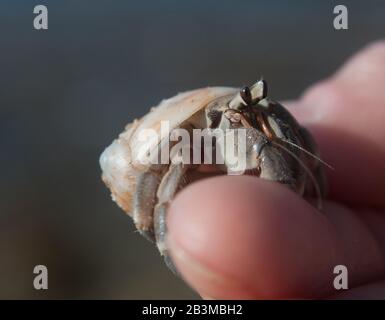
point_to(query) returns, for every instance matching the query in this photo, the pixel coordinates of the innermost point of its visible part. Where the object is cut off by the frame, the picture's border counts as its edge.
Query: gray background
(66, 93)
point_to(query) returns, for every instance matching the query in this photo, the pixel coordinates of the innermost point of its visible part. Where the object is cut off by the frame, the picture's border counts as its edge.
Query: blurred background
(67, 92)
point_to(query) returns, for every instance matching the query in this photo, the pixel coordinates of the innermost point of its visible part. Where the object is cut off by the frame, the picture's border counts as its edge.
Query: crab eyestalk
(249, 96)
(258, 91)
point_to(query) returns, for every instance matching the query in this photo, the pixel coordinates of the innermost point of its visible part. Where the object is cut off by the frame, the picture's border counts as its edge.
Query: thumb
(244, 238)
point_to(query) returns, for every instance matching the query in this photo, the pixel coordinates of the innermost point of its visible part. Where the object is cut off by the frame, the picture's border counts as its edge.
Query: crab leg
(145, 199)
(171, 182)
(316, 166)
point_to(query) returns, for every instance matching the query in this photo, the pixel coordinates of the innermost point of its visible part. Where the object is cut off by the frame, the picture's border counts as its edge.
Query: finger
(242, 237)
(346, 114)
(372, 291)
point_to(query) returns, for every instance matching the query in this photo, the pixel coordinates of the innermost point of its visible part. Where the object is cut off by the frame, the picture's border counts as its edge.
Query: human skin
(239, 237)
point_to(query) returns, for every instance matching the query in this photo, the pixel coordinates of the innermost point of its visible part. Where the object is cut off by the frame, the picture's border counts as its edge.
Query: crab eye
(246, 95)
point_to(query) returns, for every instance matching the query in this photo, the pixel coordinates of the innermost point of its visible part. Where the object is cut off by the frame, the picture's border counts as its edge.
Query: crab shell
(121, 161)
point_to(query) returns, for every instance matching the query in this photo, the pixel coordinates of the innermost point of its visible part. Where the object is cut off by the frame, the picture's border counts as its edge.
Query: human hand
(239, 237)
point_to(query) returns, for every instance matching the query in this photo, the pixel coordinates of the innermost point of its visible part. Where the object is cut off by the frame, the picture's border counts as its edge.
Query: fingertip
(240, 237)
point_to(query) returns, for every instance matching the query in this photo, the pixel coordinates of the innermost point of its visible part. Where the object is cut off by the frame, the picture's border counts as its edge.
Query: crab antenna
(309, 173)
(308, 153)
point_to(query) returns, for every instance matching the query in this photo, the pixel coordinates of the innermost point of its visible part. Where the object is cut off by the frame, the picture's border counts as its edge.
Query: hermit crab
(275, 148)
